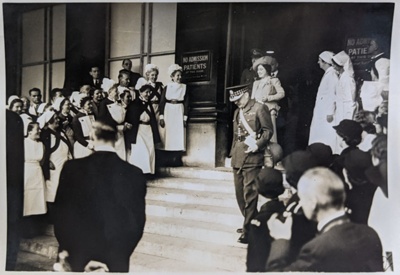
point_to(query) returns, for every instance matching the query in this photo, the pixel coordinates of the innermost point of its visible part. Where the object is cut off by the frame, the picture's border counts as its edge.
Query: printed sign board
(196, 66)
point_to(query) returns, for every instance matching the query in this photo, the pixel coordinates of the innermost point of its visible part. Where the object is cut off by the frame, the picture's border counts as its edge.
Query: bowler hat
(269, 183)
(236, 92)
(321, 152)
(296, 164)
(349, 129)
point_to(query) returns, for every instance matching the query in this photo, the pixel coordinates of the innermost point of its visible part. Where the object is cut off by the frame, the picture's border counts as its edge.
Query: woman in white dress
(142, 132)
(112, 111)
(58, 150)
(174, 111)
(151, 73)
(82, 125)
(321, 125)
(268, 90)
(345, 99)
(34, 183)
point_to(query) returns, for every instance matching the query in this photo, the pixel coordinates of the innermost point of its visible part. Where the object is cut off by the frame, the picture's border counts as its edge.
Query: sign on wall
(196, 66)
(357, 49)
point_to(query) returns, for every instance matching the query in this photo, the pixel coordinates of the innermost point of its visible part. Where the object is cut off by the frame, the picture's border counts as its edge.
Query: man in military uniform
(253, 129)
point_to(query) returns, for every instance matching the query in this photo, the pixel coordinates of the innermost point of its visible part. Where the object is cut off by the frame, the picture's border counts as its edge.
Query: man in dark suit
(15, 184)
(133, 76)
(340, 246)
(252, 130)
(95, 77)
(100, 206)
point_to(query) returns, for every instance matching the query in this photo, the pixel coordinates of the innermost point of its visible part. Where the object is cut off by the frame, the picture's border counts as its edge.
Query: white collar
(104, 148)
(326, 220)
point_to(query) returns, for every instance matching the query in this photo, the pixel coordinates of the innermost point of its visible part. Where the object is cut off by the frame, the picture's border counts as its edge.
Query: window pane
(33, 36)
(125, 29)
(164, 27)
(59, 32)
(116, 66)
(58, 75)
(32, 76)
(163, 62)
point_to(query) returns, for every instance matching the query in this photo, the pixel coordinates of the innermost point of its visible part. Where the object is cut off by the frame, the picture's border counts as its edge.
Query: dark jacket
(259, 119)
(78, 133)
(100, 210)
(259, 238)
(344, 247)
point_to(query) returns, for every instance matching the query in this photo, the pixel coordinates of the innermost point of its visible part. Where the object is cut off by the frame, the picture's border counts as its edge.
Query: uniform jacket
(100, 210)
(340, 247)
(259, 119)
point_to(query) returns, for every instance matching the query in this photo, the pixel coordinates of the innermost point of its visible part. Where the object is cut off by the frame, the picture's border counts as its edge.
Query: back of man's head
(324, 187)
(104, 132)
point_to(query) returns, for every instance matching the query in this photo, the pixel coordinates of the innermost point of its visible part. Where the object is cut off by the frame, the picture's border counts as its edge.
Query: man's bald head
(320, 189)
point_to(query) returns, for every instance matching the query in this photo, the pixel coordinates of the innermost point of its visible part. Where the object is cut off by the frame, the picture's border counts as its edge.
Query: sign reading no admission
(196, 66)
(357, 49)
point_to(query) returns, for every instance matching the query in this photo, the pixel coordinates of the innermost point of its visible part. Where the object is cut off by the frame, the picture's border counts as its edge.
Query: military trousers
(246, 193)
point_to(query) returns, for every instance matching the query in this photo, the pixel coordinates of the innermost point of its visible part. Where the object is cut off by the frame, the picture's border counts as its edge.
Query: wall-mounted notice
(196, 66)
(357, 49)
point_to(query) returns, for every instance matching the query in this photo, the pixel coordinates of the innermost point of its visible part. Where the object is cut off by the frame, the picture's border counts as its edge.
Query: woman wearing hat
(151, 72)
(57, 151)
(345, 89)
(321, 125)
(142, 135)
(173, 111)
(62, 106)
(34, 183)
(113, 112)
(267, 90)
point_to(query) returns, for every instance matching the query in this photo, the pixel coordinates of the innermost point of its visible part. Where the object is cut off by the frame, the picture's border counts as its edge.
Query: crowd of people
(146, 115)
(322, 215)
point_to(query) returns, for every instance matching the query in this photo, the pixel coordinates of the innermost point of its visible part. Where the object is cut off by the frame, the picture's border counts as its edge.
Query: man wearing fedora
(252, 130)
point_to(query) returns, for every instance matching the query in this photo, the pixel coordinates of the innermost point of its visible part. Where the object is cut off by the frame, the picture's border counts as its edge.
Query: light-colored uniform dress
(58, 158)
(143, 151)
(174, 136)
(321, 130)
(80, 151)
(345, 102)
(117, 112)
(269, 91)
(34, 183)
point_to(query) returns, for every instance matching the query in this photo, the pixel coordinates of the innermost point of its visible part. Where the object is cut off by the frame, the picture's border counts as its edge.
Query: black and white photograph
(199, 137)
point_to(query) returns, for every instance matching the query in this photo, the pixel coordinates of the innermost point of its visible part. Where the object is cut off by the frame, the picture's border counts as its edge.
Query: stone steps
(33, 262)
(192, 216)
(191, 197)
(220, 215)
(220, 173)
(222, 257)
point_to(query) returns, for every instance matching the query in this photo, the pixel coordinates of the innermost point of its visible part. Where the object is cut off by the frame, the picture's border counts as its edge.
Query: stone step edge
(196, 172)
